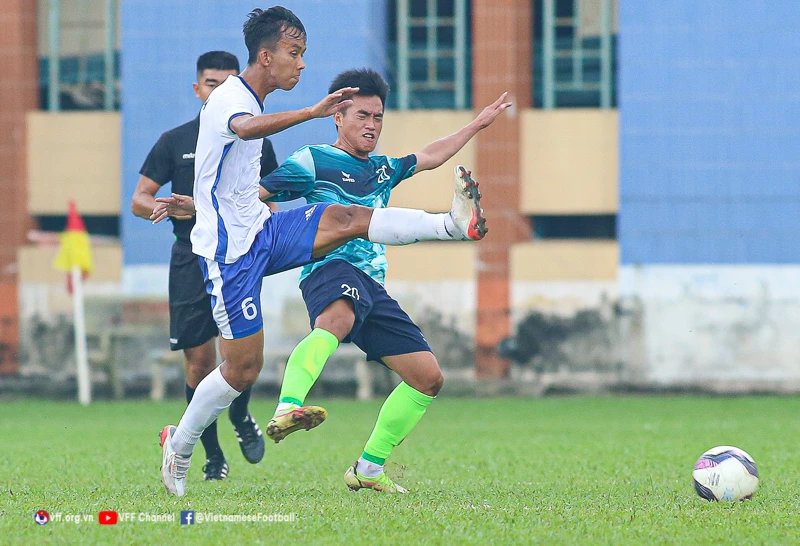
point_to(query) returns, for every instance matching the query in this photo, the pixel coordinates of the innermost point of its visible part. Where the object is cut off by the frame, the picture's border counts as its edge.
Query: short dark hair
(369, 83)
(264, 28)
(217, 60)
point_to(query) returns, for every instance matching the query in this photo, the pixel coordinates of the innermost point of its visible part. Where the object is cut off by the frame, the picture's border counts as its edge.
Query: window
(429, 54)
(95, 225)
(577, 226)
(574, 61)
(79, 55)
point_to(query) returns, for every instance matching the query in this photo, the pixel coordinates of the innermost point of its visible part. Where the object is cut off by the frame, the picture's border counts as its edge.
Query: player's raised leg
(399, 226)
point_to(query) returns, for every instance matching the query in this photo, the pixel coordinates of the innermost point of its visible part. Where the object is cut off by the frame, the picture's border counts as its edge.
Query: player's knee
(432, 380)
(436, 383)
(348, 218)
(245, 376)
(338, 318)
(249, 376)
(242, 372)
(252, 366)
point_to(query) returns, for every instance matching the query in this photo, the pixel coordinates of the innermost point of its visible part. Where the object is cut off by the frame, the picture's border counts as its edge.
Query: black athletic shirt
(172, 160)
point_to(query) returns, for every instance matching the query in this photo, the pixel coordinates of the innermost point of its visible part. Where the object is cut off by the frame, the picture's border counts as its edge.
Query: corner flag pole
(81, 358)
(75, 259)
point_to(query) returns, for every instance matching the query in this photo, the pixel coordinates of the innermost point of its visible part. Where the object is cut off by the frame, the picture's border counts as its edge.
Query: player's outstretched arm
(436, 153)
(252, 127)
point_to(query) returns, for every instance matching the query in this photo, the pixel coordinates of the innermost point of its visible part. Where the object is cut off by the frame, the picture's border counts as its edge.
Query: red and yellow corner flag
(75, 249)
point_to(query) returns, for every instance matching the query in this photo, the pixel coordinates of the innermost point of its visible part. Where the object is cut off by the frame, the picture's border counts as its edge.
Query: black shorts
(381, 327)
(191, 322)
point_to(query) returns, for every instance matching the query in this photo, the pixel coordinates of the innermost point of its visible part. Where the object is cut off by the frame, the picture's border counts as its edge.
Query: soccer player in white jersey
(239, 241)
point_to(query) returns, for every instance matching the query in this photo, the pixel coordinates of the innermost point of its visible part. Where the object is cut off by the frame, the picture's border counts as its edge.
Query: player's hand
(180, 207)
(334, 102)
(490, 113)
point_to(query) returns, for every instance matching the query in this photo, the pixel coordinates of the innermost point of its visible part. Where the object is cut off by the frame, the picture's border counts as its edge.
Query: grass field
(501, 471)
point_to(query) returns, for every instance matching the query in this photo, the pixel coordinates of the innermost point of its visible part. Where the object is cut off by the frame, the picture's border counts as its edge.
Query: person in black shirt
(192, 325)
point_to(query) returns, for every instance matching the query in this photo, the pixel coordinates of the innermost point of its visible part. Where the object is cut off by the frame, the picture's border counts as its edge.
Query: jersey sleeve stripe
(230, 119)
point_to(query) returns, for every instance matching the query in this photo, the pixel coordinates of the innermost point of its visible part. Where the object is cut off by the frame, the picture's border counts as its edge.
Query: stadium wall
(564, 161)
(84, 169)
(570, 161)
(435, 283)
(709, 197)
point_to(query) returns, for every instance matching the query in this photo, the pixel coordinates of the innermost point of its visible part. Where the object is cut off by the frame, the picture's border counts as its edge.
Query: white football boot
(173, 465)
(466, 211)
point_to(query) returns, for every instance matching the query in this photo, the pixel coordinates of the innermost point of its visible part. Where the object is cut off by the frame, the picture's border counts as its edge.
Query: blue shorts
(381, 327)
(285, 242)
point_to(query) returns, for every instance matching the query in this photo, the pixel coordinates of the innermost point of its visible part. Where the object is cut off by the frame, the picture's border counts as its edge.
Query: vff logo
(41, 517)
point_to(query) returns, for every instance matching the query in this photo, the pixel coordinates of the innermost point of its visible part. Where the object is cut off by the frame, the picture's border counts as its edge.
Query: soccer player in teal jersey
(344, 292)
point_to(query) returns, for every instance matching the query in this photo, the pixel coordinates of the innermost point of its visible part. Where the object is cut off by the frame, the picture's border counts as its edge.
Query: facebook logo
(187, 517)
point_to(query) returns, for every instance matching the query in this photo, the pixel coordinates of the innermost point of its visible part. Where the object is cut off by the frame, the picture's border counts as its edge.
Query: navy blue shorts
(381, 327)
(286, 242)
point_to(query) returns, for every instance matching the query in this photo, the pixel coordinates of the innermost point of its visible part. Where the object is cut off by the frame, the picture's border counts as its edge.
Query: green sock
(305, 364)
(399, 415)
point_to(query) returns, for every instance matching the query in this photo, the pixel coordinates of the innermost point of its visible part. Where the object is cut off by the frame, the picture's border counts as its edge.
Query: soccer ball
(725, 473)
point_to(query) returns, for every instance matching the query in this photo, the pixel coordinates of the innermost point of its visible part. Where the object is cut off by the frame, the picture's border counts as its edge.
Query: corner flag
(75, 258)
(75, 250)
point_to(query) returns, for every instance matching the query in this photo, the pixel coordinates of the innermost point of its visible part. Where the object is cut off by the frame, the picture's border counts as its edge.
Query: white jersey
(226, 176)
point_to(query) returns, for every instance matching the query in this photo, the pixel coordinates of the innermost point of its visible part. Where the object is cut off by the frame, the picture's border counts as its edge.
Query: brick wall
(501, 62)
(19, 91)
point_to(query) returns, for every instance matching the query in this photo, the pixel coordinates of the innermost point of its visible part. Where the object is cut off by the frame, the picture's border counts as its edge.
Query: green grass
(501, 471)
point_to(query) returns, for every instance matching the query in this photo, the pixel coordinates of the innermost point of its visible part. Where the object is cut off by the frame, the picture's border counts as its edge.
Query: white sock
(396, 226)
(367, 468)
(210, 399)
(284, 407)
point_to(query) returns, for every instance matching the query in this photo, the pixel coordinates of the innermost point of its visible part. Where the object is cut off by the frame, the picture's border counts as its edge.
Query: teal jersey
(324, 174)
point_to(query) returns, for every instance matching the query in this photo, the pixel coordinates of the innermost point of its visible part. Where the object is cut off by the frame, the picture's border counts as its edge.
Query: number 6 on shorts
(249, 309)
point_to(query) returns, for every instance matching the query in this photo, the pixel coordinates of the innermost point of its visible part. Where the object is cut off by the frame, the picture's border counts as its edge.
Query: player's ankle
(368, 469)
(283, 407)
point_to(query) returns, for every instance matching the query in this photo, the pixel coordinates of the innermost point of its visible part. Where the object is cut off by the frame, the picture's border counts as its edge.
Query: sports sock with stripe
(400, 413)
